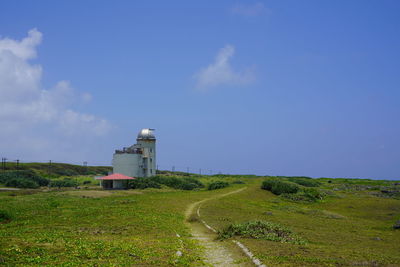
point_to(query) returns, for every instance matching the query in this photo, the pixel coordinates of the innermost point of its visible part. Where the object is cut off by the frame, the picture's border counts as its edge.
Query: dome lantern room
(146, 134)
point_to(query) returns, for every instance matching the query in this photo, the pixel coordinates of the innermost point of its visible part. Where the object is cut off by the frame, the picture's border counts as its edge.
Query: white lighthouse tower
(147, 141)
(138, 160)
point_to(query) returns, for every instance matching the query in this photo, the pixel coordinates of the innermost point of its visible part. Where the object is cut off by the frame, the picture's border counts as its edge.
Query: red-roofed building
(115, 181)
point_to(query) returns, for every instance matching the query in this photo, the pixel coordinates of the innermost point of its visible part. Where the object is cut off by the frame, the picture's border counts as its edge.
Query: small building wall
(138, 160)
(119, 184)
(128, 164)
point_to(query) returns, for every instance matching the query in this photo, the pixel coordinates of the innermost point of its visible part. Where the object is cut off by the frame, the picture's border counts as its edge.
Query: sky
(307, 88)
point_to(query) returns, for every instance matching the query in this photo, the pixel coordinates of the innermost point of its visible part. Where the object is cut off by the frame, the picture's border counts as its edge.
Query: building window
(151, 150)
(151, 160)
(151, 171)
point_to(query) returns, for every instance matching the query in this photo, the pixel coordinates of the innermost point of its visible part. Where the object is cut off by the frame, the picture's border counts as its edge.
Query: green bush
(67, 172)
(66, 182)
(30, 175)
(21, 183)
(267, 184)
(217, 185)
(238, 182)
(260, 230)
(186, 183)
(280, 187)
(306, 194)
(143, 183)
(5, 216)
(307, 182)
(189, 186)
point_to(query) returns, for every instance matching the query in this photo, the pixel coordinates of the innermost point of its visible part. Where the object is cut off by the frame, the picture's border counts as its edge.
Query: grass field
(93, 227)
(349, 228)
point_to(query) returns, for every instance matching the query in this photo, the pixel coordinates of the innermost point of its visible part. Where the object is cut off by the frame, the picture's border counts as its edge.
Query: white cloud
(30, 114)
(255, 9)
(221, 73)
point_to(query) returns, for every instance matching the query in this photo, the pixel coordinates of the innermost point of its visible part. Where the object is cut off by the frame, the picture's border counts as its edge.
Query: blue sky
(265, 87)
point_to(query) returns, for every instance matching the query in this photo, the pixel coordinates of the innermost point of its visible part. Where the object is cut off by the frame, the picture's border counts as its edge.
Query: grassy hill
(53, 170)
(348, 223)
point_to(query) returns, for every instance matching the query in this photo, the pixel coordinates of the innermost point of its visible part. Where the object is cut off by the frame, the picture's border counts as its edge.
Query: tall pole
(85, 165)
(4, 163)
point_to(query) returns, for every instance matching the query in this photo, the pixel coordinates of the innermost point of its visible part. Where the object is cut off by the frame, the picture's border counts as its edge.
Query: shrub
(67, 172)
(267, 184)
(5, 216)
(86, 182)
(280, 187)
(306, 194)
(260, 230)
(189, 186)
(307, 182)
(238, 182)
(217, 185)
(186, 183)
(143, 183)
(193, 181)
(23, 174)
(66, 182)
(21, 183)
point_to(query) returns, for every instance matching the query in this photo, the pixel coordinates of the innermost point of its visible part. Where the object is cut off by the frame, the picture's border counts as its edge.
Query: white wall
(127, 164)
(149, 154)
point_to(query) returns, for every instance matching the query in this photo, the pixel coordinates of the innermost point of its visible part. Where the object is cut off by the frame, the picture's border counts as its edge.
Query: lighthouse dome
(146, 134)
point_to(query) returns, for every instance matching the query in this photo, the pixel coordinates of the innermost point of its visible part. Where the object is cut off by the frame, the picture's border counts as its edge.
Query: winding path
(216, 253)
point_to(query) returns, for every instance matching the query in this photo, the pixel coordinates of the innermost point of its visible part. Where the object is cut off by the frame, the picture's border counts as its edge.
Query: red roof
(116, 176)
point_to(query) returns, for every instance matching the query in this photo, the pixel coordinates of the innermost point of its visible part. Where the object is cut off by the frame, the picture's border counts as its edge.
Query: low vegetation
(217, 185)
(64, 182)
(22, 179)
(5, 216)
(279, 187)
(290, 221)
(261, 230)
(184, 183)
(295, 189)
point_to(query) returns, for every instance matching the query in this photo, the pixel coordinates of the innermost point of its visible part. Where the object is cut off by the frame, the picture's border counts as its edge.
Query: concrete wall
(149, 156)
(128, 164)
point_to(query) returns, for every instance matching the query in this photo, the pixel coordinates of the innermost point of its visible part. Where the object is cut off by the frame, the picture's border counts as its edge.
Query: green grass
(110, 228)
(352, 225)
(348, 228)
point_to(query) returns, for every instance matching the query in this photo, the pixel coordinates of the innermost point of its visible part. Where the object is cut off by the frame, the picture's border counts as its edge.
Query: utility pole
(200, 171)
(4, 162)
(17, 161)
(187, 169)
(49, 166)
(173, 168)
(85, 165)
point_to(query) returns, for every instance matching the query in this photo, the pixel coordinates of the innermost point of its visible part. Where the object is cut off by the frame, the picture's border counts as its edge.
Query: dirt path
(216, 254)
